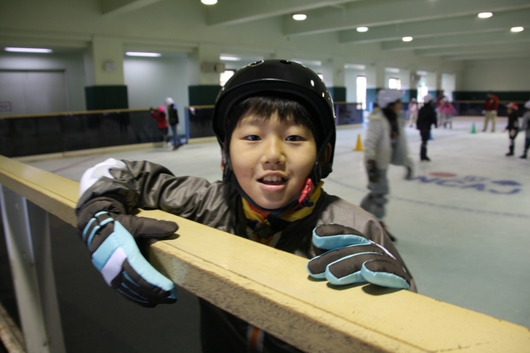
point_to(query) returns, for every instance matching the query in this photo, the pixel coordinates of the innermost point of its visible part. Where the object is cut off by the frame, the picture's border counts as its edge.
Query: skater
(513, 126)
(173, 117)
(426, 118)
(526, 128)
(446, 111)
(413, 112)
(490, 109)
(385, 144)
(161, 122)
(275, 124)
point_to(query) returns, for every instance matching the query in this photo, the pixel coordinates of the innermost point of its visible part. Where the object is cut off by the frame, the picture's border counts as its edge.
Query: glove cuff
(114, 204)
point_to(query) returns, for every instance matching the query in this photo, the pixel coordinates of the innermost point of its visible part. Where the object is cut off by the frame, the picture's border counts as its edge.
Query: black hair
(262, 107)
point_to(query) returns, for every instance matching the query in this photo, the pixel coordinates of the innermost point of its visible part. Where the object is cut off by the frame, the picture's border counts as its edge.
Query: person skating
(513, 126)
(426, 118)
(385, 144)
(525, 126)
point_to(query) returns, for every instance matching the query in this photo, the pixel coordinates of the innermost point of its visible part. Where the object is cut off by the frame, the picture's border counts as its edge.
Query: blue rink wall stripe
(449, 207)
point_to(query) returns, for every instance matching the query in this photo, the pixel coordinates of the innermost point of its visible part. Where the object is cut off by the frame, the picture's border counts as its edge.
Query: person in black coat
(426, 118)
(513, 126)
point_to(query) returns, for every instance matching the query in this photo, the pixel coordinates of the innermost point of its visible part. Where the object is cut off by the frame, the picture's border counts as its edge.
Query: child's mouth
(273, 180)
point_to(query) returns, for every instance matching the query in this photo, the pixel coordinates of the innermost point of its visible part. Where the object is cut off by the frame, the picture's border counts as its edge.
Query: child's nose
(273, 151)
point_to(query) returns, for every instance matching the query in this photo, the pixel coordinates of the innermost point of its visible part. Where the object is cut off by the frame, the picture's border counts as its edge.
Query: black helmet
(281, 78)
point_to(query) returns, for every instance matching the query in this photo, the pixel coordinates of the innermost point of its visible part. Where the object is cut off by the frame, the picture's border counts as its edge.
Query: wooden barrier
(271, 290)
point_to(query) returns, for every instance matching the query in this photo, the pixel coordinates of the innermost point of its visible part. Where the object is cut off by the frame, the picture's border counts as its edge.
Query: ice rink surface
(462, 222)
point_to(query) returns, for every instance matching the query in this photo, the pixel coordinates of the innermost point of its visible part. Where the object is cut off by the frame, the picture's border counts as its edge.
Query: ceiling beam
(459, 40)
(472, 49)
(492, 56)
(456, 25)
(116, 7)
(234, 12)
(387, 12)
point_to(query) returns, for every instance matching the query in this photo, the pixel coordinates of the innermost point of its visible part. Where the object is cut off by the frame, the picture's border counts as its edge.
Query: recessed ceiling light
(517, 29)
(362, 29)
(142, 53)
(27, 50)
(485, 14)
(407, 39)
(299, 16)
(229, 58)
(209, 2)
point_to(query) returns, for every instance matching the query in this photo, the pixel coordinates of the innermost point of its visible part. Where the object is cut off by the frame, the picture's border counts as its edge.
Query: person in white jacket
(385, 144)
(526, 128)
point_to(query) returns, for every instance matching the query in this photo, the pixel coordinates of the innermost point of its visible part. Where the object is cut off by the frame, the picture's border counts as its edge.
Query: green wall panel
(338, 93)
(203, 94)
(106, 97)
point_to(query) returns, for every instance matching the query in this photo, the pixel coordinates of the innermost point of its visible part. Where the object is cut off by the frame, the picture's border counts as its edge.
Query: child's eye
(294, 138)
(252, 138)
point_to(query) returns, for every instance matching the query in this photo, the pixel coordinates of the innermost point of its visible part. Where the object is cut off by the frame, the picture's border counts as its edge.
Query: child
(446, 111)
(275, 123)
(426, 118)
(513, 126)
(526, 128)
(385, 144)
(161, 122)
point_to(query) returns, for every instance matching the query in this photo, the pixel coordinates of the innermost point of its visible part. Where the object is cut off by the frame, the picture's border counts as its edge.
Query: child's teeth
(273, 178)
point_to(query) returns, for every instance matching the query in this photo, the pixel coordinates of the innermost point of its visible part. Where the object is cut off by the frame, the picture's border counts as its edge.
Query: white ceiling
(447, 28)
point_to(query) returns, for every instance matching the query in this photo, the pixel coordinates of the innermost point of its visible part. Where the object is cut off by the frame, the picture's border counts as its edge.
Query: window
(361, 91)
(394, 83)
(225, 76)
(423, 90)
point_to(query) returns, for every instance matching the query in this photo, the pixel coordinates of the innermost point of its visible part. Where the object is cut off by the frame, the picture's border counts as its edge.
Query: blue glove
(110, 235)
(352, 259)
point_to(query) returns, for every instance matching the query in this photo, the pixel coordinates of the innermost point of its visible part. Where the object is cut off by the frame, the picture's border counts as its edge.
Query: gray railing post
(27, 233)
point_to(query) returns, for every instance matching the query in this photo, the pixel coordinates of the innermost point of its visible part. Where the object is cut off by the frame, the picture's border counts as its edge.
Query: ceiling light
(299, 16)
(407, 39)
(27, 50)
(517, 29)
(354, 66)
(485, 14)
(229, 58)
(362, 29)
(209, 2)
(142, 53)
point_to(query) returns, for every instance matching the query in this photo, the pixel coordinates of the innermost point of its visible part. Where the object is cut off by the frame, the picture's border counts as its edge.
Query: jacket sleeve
(433, 117)
(371, 142)
(151, 186)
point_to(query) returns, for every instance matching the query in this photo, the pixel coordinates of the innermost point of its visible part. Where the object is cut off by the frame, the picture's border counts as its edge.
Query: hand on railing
(352, 259)
(110, 235)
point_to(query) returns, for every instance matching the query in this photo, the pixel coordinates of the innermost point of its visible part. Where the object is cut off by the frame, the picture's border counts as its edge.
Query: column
(205, 83)
(104, 75)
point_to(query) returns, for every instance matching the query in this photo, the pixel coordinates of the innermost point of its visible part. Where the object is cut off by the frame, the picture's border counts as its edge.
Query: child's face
(272, 159)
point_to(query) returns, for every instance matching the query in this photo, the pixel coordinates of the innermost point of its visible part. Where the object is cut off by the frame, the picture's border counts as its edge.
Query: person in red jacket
(490, 107)
(160, 116)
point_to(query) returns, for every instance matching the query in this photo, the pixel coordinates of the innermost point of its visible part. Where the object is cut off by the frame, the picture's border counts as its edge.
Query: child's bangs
(262, 108)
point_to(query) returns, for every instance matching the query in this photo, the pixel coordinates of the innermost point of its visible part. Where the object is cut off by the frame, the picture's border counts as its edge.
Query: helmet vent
(285, 62)
(312, 83)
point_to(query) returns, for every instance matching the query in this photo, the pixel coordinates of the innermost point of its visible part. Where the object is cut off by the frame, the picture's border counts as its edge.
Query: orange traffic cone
(359, 146)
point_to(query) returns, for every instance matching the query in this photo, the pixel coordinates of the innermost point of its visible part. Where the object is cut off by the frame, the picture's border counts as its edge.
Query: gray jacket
(150, 186)
(526, 124)
(377, 144)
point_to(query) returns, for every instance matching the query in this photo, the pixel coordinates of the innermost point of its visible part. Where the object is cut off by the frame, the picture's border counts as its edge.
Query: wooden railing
(271, 290)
